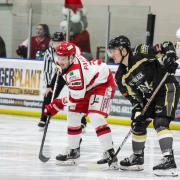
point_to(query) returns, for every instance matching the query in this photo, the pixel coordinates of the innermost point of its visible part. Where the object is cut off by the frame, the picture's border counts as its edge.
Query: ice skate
(83, 127)
(41, 124)
(166, 167)
(70, 158)
(83, 124)
(133, 163)
(108, 160)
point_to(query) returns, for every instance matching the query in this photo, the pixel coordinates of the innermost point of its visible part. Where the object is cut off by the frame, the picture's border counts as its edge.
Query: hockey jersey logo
(74, 79)
(73, 75)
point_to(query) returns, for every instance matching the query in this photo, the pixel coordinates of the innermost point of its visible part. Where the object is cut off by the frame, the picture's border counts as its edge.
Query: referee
(49, 71)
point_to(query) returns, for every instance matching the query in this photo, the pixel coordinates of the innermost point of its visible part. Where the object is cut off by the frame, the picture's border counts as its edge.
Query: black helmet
(119, 42)
(144, 50)
(58, 36)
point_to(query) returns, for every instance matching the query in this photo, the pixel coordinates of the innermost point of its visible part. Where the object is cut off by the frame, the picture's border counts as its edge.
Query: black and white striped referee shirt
(49, 65)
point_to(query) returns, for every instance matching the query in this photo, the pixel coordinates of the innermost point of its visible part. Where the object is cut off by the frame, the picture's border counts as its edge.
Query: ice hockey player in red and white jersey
(91, 88)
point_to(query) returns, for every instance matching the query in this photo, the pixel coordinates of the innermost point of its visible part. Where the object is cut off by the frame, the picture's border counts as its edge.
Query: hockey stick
(42, 157)
(143, 112)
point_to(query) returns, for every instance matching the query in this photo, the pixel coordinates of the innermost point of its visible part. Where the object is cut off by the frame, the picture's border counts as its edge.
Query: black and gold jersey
(138, 81)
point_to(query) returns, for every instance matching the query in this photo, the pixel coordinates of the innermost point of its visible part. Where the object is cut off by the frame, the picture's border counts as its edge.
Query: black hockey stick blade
(43, 158)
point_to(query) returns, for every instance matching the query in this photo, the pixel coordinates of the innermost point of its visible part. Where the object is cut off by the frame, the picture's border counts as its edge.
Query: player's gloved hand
(139, 124)
(140, 118)
(136, 111)
(167, 47)
(170, 62)
(53, 108)
(169, 58)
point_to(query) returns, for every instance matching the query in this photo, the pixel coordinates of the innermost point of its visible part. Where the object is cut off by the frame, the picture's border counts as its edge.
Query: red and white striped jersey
(83, 75)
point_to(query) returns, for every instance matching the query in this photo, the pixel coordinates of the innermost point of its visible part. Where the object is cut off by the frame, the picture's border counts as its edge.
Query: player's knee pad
(161, 123)
(97, 119)
(139, 128)
(74, 119)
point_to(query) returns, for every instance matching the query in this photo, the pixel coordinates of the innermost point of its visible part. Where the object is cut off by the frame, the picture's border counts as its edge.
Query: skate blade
(102, 167)
(40, 129)
(168, 172)
(70, 162)
(132, 168)
(83, 131)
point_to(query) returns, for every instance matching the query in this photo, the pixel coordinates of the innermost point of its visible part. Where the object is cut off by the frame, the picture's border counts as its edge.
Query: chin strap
(120, 50)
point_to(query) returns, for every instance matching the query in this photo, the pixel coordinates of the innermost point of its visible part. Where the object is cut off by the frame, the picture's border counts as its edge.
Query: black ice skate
(109, 159)
(41, 124)
(166, 167)
(70, 158)
(83, 124)
(133, 163)
(83, 127)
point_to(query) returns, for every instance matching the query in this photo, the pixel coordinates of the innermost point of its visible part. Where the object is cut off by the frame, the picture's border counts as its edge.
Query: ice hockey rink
(20, 141)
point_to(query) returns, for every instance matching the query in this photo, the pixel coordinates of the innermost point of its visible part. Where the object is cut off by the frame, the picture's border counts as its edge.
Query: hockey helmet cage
(58, 36)
(66, 49)
(119, 42)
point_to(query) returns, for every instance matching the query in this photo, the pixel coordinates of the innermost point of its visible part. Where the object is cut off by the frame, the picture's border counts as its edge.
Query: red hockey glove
(53, 108)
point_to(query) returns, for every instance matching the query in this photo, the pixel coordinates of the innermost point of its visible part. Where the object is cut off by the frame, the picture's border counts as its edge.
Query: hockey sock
(103, 130)
(138, 143)
(74, 129)
(165, 141)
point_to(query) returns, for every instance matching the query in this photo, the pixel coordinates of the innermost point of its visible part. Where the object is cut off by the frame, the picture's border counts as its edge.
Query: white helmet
(178, 33)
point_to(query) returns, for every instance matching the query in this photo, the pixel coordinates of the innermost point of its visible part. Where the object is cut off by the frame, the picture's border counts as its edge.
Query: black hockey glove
(136, 111)
(140, 118)
(170, 62)
(167, 46)
(169, 57)
(139, 125)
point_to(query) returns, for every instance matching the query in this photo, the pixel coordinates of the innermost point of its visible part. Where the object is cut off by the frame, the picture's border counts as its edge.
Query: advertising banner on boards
(22, 85)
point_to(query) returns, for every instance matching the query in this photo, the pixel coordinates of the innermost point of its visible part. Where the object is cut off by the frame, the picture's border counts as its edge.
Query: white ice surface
(20, 141)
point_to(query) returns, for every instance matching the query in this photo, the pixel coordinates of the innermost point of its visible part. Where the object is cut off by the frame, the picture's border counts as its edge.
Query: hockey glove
(170, 62)
(136, 111)
(139, 118)
(167, 46)
(53, 108)
(139, 125)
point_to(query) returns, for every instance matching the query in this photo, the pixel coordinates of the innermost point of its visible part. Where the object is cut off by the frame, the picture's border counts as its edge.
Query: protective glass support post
(68, 28)
(29, 32)
(108, 34)
(151, 18)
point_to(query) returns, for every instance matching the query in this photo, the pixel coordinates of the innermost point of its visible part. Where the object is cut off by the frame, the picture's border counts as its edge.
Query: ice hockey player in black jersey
(137, 77)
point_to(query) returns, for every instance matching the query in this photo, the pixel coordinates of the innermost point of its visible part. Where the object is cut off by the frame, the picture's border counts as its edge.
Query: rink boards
(22, 87)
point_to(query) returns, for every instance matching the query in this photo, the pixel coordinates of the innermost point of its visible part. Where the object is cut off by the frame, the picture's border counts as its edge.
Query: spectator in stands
(2, 48)
(39, 42)
(77, 26)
